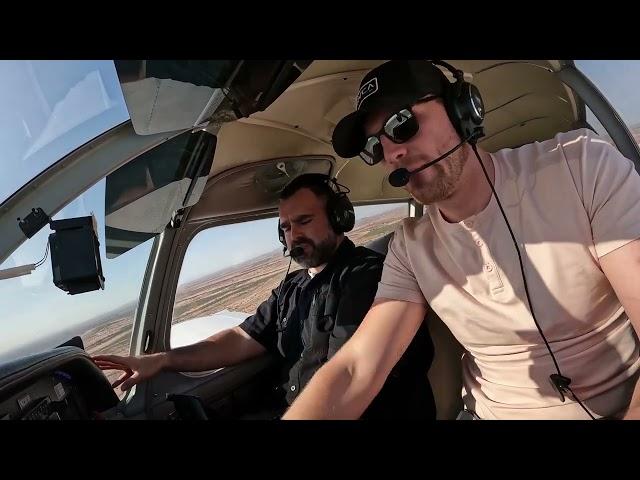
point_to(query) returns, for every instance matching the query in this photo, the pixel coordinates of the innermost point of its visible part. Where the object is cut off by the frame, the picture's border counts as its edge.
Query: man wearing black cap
(526, 254)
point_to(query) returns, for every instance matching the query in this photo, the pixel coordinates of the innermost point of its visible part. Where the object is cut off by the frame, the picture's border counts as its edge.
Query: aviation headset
(339, 208)
(463, 103)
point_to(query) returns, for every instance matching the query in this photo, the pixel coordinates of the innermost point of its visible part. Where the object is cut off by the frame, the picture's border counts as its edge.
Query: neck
(472, 193)
(313, 271)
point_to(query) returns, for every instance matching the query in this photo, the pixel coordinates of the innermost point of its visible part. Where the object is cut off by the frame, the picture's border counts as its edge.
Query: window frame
(190, 231)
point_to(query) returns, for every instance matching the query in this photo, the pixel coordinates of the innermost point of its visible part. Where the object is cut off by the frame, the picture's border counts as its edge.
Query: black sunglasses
(398, 128)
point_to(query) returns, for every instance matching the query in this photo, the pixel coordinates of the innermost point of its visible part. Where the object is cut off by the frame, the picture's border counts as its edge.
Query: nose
(295, 233)
(393, 152)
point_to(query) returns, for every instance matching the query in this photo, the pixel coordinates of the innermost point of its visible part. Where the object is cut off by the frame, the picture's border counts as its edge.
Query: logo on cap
(367, 90)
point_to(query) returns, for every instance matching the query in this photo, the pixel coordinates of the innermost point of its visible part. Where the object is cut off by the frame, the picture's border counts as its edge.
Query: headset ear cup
(451, 105)
(333, 214)
(471, 110)
(340, 213)
(348, 215)
(465, 108)
(345, 214)
(476, 105)
(464, 105)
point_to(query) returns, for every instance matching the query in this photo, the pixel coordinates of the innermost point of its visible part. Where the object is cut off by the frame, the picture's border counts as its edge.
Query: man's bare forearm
(335, 392)
(223, 349)
(345, 386)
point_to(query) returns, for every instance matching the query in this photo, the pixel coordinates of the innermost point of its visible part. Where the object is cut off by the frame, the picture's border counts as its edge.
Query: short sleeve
(398, 281)
(609, 187)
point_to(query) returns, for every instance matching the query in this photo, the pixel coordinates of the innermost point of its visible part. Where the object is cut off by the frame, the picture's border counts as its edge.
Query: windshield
(47, 110)
(37, 315)
(50, 108)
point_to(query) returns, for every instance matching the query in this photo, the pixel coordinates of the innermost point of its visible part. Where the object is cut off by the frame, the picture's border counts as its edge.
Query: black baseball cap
(393, 85)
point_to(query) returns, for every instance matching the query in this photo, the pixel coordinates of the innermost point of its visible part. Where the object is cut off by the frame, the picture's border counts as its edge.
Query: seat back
(445, 373)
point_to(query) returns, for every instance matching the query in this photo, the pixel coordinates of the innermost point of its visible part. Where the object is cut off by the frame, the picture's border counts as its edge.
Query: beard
(444, 180)
(320, 252)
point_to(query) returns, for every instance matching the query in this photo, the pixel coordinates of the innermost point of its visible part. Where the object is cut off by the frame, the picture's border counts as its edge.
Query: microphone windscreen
(399, 177)
(296, 251)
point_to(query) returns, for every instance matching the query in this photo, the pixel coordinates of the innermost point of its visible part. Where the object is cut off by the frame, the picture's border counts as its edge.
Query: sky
(48, 108)
(54, 104)
(618, 80)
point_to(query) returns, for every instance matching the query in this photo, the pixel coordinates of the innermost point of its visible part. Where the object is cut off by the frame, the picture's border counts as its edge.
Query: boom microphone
(294, 251)
(400, 177)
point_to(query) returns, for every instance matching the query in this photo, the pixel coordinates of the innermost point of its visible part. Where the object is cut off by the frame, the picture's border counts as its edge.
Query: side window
(226, 273)
(593, 121)
(618, 81)
(375, 221)
(229, 270)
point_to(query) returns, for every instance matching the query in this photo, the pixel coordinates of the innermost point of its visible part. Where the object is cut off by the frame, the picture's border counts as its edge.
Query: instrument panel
(52, 397)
